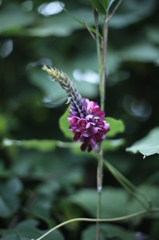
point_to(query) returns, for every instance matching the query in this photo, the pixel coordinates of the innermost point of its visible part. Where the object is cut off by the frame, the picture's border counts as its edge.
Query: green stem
(104, 54)
(100, 155)
(98, 220)
(99, 187)
(102, 79)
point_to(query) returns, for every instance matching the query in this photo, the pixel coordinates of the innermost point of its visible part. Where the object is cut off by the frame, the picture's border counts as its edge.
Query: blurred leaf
(114, 201)
(152, 33)
(13, 18)
(152, 193)
(61, 24)
(9, 200)
(108, 231)
(69, 212)
(40, 165)
(41, 208)
(53, 91)
(3, 124)
(4, 172)
(129, 187)
(114, 60)
(41, 145)
(64, 124)
(112, 145)
(131, 12)
(78, 21)
(106, 3)
(98, 6)
(141, 51)
(148, 145)
(116, 126)
(27, 230)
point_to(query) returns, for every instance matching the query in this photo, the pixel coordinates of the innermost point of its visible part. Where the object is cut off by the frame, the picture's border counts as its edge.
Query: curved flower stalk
(86, 117)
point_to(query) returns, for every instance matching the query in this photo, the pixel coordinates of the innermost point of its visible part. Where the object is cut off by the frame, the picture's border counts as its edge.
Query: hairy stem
(99, 167)
(102, 80)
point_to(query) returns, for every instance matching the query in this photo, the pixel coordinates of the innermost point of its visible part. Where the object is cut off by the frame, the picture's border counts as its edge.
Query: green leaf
(9, 200)
(132, 12)
(78, 21)
(112, 145)
(108, 231)
(27, 230)
(106, 3)
(116, 126)
(61, 25)
(41, 209)
(139, 196)
(3, 124)
(148, 145)
(52, 90)
(40, 145)
(153, 34)
(13, 18)
(98, 6)
(141, 51)
(64, 124)
(152, 193)
(87, 199)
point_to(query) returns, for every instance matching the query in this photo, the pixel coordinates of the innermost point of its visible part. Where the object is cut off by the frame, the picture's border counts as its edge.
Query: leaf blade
(148, 145)
(116, 126)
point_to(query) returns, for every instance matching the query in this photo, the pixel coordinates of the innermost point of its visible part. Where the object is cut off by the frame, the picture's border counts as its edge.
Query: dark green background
(35, 184)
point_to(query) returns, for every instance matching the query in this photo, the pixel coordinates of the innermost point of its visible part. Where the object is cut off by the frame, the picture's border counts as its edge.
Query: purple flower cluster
(88, 124)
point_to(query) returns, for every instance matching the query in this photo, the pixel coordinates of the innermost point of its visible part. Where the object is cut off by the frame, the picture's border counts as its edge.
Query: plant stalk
(102, 80)
(99, 167)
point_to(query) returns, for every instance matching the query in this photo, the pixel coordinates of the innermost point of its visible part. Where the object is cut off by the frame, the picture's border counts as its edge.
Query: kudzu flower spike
(86, 117)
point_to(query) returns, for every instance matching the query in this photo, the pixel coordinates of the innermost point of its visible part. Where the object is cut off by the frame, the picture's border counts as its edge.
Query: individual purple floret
(87, 124)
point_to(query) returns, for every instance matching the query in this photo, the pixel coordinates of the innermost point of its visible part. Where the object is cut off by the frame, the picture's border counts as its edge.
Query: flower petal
(83, 147)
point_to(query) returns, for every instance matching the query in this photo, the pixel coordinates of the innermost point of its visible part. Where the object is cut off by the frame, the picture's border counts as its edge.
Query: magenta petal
(86, 134)
(69, 118)
(88, 124)
(89, 148)
(93, 144)
(101, 123)
(89, 117)
(96, 110)
(101, 114)
(77, 136)
(107, 127)
(98, 137)
(83, 147)
(82, 129)
(75, 119)
(95, 130)
(82, 122)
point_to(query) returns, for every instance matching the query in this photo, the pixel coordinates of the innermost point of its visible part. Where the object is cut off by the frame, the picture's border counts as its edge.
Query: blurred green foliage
(44, 181)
